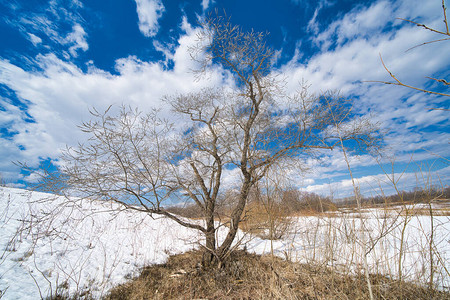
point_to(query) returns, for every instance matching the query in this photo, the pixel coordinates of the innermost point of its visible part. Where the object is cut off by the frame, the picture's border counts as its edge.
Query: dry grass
(248, 276)
(265, 222)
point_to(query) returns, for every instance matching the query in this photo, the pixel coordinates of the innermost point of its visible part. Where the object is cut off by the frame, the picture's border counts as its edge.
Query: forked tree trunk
(236, 215)
(210, 239)
(208, 258)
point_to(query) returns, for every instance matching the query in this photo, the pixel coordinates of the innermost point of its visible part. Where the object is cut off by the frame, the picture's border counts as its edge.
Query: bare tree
(146, 163)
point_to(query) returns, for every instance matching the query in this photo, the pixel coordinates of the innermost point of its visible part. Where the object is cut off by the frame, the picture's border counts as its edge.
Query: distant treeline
(291, 202)
(417, 195)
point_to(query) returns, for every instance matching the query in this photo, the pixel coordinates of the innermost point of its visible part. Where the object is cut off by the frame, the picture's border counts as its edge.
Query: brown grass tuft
(249, 276)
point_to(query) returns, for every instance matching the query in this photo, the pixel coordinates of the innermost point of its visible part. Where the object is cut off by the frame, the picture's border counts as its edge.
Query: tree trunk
(210, 243)
(222, 251)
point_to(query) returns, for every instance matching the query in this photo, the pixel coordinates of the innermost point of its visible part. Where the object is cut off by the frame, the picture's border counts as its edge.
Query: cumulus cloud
(149, 11)
(58, 97)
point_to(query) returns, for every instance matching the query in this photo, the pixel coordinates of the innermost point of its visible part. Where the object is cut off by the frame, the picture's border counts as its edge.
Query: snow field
(78, 245)
(50, 244)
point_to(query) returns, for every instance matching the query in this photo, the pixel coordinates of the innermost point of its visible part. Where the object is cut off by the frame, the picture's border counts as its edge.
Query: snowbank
(52, 243)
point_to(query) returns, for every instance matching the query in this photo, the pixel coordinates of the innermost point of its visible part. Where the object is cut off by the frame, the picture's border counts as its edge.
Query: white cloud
(34, 39)
(313, 24)
(206, 4)
(77, 38)
(33, 177)
(402, 113)
(359, 22)
(59, 97)
(48, 27)
(349, 57)
(167, 50)
(149, 11)
(382, 183)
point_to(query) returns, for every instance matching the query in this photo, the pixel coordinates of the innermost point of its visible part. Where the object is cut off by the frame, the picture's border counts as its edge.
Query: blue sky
(59, 58)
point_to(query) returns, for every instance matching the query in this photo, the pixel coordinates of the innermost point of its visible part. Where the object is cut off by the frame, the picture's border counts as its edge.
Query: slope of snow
(49, 243)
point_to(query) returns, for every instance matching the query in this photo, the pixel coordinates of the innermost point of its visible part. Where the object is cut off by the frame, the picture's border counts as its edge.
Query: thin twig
(445, 16)
(424, 26)
(444, 109)
(398, 82)
(426, 43)
(440, 80)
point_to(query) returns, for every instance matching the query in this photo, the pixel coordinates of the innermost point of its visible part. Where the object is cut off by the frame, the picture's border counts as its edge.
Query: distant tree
(2, 180)
(146, 163)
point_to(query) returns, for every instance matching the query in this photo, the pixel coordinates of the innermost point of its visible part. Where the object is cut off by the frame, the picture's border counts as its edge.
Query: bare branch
(424, 26)
(399, 83)
(427, 43)
(445, 17)
(446, 37)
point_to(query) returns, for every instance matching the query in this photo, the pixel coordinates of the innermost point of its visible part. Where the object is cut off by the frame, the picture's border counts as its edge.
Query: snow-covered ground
(49, 243)
(340, 242)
